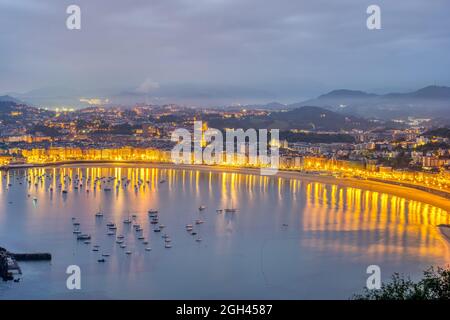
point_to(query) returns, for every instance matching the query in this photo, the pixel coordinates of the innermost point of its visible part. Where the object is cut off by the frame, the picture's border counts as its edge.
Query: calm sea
(288, 239)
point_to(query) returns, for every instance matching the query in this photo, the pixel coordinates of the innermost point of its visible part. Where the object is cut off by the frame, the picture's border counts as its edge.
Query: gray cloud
(238, 49)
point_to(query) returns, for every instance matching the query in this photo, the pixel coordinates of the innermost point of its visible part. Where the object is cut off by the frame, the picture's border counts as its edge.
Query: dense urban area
(312, 139)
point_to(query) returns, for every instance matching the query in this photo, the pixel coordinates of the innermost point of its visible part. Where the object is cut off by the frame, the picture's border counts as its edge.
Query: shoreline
(445, 231)
(415, 193)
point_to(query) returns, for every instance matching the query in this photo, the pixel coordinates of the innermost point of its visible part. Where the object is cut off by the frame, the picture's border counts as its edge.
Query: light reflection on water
(289, 239)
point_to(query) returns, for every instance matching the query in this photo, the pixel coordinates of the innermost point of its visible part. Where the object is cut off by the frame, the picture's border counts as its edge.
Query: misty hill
(439, 132)
(431, 101)
(8, 99)
(7, 105)
(304, 118)
(13, 111)
(343, 93)
(318, 119)
(430, 92)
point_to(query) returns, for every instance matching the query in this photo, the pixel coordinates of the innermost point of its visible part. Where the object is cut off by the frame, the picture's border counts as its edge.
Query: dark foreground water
(289, 239)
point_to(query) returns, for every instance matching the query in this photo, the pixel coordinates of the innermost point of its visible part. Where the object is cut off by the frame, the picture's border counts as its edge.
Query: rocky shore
(4, 265)
(8, 262)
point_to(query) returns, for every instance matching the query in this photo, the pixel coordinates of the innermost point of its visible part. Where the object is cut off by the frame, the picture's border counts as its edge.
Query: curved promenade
(440, 199)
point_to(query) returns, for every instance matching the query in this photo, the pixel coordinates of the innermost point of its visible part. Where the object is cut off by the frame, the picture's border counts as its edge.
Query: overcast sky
(222, 50)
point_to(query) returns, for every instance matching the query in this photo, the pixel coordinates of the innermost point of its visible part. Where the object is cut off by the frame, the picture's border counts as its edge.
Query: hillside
(7, 98)
(431, 101)
(305, 118)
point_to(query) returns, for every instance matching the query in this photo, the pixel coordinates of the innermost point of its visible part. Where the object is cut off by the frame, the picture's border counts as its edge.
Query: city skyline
(224, 149)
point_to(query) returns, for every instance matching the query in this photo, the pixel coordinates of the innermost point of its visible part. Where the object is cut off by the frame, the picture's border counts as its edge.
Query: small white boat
(127, 221)
(128, 252)
(111, 233)
(198, 239)
(105, 254)
(99, 214)
(76, 231)
(168, 245)
(148, 249)
(119, 241)
(141, 238)
(201, 208)
(110, 224)
(123, 246)
(199, 221)
(120, 237)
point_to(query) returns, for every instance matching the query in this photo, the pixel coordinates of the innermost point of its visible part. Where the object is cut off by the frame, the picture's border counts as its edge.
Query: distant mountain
(431, 101)
(8, 98)
(344, 93)
(274, 106)
(430, 92)
(49, 97)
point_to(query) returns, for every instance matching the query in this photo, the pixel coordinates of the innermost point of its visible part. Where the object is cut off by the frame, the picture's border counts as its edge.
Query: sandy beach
(445, 230)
